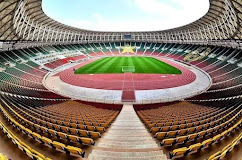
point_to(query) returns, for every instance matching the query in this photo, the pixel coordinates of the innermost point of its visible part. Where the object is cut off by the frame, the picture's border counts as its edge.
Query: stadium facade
(24, 24)
(69, 93)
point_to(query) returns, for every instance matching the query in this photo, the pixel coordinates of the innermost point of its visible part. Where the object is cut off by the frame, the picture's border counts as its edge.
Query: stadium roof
(24, 22)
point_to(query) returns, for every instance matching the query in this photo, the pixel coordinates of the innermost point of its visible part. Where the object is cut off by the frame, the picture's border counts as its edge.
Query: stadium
(70, 94)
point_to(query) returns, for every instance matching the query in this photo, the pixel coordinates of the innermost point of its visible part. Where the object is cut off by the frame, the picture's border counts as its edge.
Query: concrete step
(127, 128)
(97, 157)
(128, 131)
(128, 146)
(126, 142)
(127, 138)
(127, 154)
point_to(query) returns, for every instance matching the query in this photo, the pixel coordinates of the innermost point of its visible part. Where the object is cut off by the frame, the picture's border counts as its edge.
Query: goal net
(128, 68)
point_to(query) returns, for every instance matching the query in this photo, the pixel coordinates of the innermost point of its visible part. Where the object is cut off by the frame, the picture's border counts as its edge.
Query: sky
(125, 15)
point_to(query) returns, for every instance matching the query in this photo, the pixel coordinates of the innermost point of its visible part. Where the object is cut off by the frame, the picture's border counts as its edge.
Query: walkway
(128, 94)
(127, 138)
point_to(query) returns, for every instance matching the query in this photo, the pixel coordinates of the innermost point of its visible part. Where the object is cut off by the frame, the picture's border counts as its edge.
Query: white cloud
(164, 15)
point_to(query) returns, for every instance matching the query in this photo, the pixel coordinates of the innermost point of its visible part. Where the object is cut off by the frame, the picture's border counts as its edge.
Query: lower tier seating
(208, 142)
(33, 154)
(75, 151)
(227, 149)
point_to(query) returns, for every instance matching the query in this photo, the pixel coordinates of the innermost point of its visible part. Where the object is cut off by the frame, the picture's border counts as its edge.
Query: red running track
(115, 81)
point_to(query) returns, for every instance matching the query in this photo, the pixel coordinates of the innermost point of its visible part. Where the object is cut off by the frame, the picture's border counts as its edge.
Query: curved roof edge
(23, 24)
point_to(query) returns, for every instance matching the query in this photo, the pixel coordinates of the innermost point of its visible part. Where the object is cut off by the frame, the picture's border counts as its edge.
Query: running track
(140, 81)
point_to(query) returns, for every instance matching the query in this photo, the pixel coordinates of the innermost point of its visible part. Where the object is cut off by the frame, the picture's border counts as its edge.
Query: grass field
(115, 64)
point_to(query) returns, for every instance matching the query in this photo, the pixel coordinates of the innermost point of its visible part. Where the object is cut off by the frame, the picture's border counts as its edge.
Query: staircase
(127, 138)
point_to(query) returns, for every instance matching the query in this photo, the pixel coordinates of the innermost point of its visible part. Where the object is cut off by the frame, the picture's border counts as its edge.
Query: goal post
(128, 69)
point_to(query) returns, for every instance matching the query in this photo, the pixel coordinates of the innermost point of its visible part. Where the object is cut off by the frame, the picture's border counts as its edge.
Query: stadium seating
(3, 157)
(33, 154)
(208, 142)
(193, 124)
(42, 139)
(226, 150)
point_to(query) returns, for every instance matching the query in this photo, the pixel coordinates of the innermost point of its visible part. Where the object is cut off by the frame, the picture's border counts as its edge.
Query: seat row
(227, 149)
(71, 150)
(78, 113)
(166, 114)
(69, 120)
(74, 124)
(206, 143)
(49, 127)
(21, 145)
(205, 123)
(202, 129)
(3, 157)
(201, 120)
(60, 135)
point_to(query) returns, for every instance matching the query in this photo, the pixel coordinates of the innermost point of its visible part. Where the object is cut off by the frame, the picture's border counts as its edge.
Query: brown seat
(67, 124)
(191, 130)
(182, 132)
(59, 146)
(100, 129)
(94, 135)
(74, 131)
(178, 152)
(171, 134)
(46, 141)
(36, 136)
(192, 137)
(44, 129)
(154, 130)
(182, 126)
(87, 141)
(88, 123)
(217, 138)
(160, 135)
(167, 142)
(105, 125)
(205, 126)
(165, 129)
(174, 127)
(181, 139)
(193, 148)
(49, 125)
(64, 129)
(196, 123)
(52, 132)
(83, 133)
(202, 133)
(189, 125)
(56, 127)
(168, 124)
(199, 128)
(81, 126)
(151, 125)
(74, 138)
(62, 135)
(75, 151)
(207, 142)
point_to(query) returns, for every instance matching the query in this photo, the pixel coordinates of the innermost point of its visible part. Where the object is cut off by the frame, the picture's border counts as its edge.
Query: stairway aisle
(127, 138)
(128, 93)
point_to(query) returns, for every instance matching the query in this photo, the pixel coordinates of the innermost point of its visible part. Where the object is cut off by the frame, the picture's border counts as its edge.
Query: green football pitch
(135, 64)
